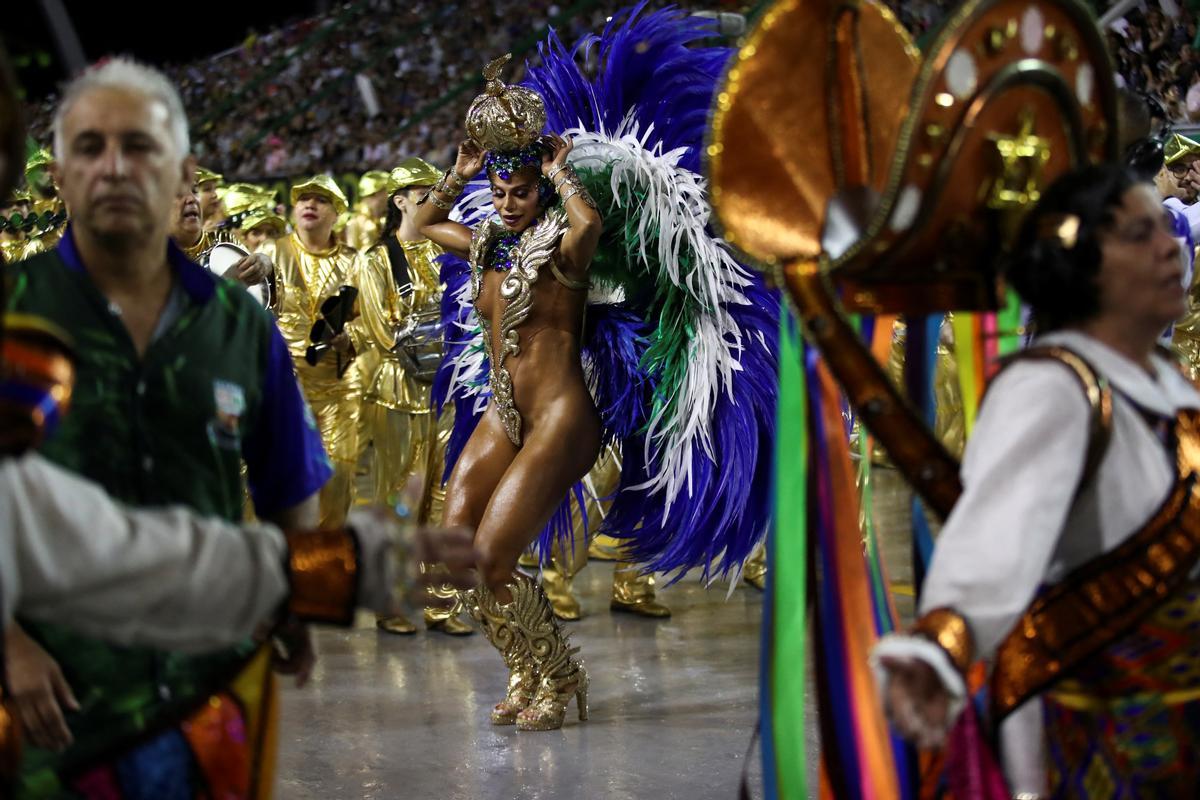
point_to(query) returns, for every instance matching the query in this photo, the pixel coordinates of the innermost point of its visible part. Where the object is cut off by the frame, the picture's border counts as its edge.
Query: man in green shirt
(182, 377)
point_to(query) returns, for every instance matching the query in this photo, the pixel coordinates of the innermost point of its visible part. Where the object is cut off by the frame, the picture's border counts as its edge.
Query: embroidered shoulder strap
(1095, 389)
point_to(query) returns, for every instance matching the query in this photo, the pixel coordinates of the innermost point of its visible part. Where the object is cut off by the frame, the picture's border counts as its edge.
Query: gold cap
(205, 175)
(1179, 147)
(375, 180)
(324, 185)
(505, 117)
(414, 172)
(262, 216)
(239, 198)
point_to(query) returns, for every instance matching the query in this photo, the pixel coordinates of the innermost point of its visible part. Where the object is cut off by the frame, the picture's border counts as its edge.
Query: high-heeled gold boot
(493, 620)
(634, 592)
(754, 571)
(561, 675)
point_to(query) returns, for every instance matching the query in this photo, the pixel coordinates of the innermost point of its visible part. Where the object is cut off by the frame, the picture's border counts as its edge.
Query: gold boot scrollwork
(561, 675)
(494, 621)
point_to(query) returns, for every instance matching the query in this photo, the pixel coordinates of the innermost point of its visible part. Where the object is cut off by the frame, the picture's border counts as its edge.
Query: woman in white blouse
(1097, 263)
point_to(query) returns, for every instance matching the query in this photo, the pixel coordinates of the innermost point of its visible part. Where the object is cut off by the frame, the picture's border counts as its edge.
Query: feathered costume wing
(680, 343)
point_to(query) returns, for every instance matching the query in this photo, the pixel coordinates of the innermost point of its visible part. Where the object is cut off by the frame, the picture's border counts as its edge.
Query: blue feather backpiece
(680, 339)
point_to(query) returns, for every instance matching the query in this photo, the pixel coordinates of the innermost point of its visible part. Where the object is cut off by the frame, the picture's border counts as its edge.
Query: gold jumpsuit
(362, 231)
(1186, 336)
(303, 280)
(396, 406)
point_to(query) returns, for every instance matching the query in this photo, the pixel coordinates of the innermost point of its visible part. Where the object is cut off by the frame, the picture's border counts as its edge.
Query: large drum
(224, 255)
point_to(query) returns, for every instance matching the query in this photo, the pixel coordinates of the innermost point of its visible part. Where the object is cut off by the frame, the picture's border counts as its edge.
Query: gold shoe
(498, 629)
(754, 571)
(634, 593)
(437, 619)
(557, 587)
(397, 624)
(561, 675)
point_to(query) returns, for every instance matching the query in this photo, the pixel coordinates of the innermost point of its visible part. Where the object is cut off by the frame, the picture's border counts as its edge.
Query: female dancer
(541, 432)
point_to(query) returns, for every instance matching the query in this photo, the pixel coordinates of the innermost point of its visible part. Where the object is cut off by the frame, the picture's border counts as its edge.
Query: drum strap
(399, 262)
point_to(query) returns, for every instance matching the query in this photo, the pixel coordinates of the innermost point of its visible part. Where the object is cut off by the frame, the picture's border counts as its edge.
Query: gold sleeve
(373, 326)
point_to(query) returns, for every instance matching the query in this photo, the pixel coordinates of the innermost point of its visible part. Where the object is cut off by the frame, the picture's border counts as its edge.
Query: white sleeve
(166, 578)
(1020, 473)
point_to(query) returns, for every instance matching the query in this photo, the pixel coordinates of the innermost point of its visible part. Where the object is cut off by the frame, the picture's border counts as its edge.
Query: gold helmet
(1179, 147)
(326, 186)
(263, 215)
(374, 181)
(505, 117)
(414, 172)
(205, 175)
(239, 198)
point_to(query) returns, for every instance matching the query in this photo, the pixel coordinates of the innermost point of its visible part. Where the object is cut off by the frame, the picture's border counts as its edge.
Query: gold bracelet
(444, 205)
(441, 186)
(557, 170)
(577, 188)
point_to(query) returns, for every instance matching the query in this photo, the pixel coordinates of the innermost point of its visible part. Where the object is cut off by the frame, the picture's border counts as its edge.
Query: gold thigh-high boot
(494, 620)
(560, 674)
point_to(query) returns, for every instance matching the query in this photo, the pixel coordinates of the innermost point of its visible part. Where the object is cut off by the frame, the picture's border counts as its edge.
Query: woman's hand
(555, 155)
(916, 701)
(470, 160)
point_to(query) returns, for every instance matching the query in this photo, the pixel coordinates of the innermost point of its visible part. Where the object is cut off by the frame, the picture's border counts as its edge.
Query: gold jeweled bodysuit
(535, 249)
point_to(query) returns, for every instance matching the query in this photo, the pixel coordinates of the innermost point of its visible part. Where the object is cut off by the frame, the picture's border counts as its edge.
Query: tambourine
(224, 255)
(865, 178)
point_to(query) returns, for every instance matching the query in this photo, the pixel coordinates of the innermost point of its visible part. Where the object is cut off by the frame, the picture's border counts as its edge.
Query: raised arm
(579, 242)
(433, 213)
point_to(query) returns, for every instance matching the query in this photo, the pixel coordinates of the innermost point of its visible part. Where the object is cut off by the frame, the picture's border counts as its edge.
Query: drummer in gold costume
(310, 266)
(188, 227)
(207, 184)
(261, 225)
(13, 242)
(398, 286)
(366, 223)
(44, 197)
(187, 231)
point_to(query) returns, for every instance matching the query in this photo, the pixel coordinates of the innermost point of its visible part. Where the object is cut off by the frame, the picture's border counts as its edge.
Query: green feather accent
(622, 259)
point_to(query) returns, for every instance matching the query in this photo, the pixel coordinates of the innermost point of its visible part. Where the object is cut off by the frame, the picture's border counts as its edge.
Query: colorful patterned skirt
(1128, 726)
(223, 750)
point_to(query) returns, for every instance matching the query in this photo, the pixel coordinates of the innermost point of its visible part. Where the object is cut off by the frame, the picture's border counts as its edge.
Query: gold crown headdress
(505, 117)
